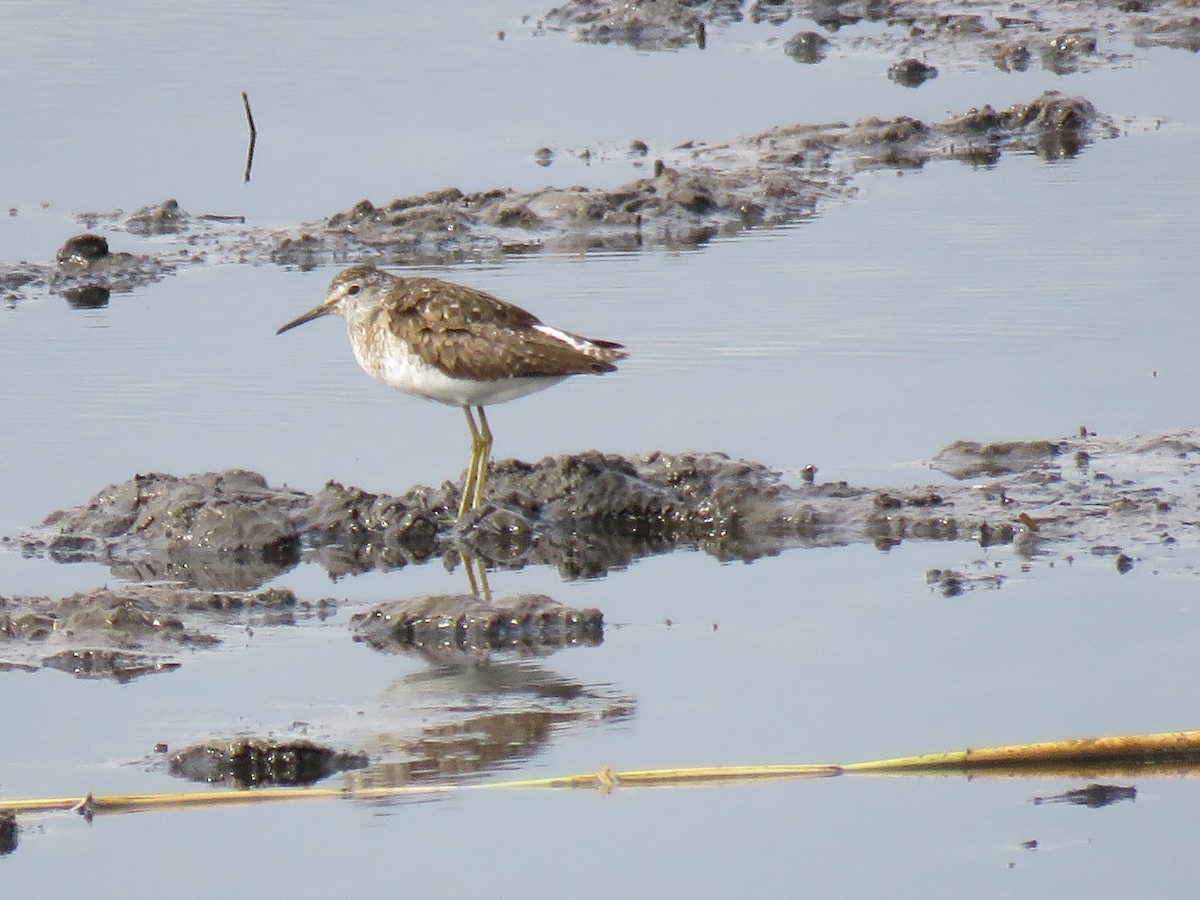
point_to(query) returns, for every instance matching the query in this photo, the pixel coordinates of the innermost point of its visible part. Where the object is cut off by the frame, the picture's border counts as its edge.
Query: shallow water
(1019, 301)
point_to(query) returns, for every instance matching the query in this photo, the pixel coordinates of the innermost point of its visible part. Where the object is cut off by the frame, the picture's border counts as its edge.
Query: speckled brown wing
(468, 333)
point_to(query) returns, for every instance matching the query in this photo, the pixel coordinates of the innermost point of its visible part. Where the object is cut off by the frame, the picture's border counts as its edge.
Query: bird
(457, 345)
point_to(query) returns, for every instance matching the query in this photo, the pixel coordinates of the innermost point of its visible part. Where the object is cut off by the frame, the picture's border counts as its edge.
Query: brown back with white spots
(466, 332)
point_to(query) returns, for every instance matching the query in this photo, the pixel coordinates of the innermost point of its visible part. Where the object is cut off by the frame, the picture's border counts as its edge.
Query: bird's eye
(353, 289)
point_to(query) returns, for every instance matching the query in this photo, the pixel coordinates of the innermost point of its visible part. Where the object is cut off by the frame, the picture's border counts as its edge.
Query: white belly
(405, 372)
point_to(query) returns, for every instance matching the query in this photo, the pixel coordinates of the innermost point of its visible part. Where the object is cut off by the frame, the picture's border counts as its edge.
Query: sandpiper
(457, 345)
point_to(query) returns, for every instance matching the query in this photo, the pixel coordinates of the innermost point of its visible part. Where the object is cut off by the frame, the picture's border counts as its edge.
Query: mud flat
(591, 512)
(196, 550)
(694, 193)
(1061, 36)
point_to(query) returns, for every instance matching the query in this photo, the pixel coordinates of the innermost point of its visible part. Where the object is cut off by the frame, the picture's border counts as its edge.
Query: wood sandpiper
(457, 345)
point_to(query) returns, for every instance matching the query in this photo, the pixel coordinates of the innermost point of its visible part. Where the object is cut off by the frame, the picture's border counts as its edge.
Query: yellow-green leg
(484, 460)
(477, 466)
(469, 481)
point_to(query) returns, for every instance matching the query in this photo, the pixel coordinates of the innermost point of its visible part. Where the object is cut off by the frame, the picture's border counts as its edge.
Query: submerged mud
(124, 632)
(253, 762)
(459, 627)
(694, 193)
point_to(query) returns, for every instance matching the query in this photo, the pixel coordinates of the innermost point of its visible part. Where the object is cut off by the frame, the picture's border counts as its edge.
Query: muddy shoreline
(196, 551)
(1061, 37)
(591, 512)
(694, 193)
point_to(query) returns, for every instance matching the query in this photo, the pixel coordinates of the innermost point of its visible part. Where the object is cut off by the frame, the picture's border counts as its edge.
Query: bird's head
(347, 290)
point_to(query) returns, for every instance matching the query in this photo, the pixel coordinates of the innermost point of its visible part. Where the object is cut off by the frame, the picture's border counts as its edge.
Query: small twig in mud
(253, 137)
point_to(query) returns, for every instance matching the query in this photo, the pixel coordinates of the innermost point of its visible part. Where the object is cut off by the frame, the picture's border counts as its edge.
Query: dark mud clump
(351, 530)
(250, 763)
(9, 831)
(806, 47)
(912, 72)
(955, 582)
(443, 626)
(1094, 796)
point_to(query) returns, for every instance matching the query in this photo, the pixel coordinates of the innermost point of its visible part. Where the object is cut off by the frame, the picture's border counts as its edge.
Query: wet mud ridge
(1063, 36)
(586, 514)
(695, 192)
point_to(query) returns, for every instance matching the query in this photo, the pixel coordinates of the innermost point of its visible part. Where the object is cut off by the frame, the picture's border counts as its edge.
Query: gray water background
(1019, 301)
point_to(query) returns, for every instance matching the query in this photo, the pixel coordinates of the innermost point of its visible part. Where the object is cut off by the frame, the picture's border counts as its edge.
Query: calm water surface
(1021, 301)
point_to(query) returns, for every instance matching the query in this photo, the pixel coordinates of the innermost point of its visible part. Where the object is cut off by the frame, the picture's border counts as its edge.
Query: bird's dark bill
(314, 313)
